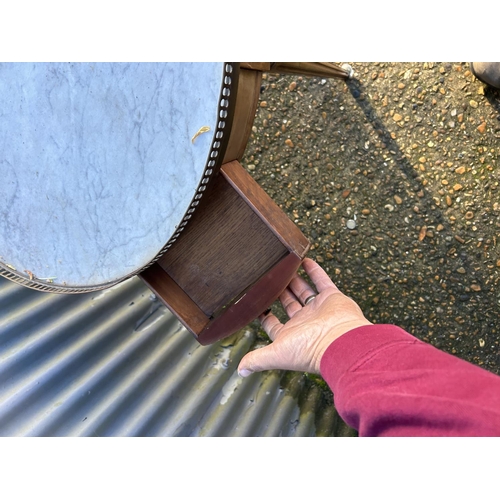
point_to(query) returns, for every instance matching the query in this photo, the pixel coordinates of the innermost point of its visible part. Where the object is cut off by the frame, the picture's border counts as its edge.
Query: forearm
(388, 383)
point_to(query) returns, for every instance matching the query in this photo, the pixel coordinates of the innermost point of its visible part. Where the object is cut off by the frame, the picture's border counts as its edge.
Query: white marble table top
(97, 163)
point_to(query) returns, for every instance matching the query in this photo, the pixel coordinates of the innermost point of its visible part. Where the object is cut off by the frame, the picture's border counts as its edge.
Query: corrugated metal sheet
(117, 363)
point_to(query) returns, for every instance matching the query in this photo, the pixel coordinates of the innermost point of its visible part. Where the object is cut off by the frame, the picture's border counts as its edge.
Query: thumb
(259, 360)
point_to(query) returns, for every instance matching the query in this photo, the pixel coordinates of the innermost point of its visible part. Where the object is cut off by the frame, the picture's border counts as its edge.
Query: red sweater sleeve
(386, 382)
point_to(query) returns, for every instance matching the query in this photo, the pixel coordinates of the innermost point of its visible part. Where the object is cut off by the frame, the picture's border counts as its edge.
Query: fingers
(318, 276)
(259, 360)
(301, 289)
(271, 325)
(290, 303)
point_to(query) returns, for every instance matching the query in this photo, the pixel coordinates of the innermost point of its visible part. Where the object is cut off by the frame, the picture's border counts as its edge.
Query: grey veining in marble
(97, 164)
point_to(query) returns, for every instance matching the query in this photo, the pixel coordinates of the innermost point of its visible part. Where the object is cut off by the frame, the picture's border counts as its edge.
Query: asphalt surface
(393, 176)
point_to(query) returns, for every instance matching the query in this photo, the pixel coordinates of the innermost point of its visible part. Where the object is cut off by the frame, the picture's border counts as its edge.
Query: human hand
(299, 344)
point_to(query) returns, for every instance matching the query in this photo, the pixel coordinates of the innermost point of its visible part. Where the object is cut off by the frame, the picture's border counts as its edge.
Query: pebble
(289, 143)
(438, 142)
(473, 104)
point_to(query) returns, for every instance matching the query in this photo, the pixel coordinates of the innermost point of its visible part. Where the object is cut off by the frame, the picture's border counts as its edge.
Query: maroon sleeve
(386, 382)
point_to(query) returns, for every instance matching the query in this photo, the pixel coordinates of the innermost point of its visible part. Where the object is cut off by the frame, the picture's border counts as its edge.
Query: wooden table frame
(239, 250)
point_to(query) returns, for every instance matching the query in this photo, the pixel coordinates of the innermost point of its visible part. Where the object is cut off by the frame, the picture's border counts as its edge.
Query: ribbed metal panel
(117, 363)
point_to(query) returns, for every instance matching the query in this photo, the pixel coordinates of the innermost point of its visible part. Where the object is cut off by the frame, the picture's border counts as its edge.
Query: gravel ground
(394, 178)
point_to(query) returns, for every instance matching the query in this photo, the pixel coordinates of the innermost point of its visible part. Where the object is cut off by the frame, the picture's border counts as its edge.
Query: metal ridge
(118, 363)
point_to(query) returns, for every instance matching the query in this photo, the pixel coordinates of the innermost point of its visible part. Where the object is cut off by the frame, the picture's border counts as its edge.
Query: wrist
(335, 333)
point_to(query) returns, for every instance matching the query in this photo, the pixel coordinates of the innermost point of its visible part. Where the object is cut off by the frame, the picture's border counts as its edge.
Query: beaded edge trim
(228, 84)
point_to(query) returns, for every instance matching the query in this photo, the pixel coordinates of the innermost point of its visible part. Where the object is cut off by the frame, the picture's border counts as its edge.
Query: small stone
(481, 343)
(289, 143)
(475, 288)
(366, 211)
(422, 159)
(422, 234)
(461, 270)
(469, 215)
(397, 199)
(482, 128)
(401, 85)
(473, 104)
(346, 193)
(449, 201)
(351, 224)
(439, 227)
(460, 170)
(292, 86)
(263, 104)
(328, 216)
(389, 207)
(453, 112)
(460, 118)
(457, 187)
(397, 117)
(459, 239)
(498, 263)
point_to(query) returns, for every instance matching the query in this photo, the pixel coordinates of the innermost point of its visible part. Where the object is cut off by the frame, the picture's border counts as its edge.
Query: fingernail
(244, 373)
(266, 312)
